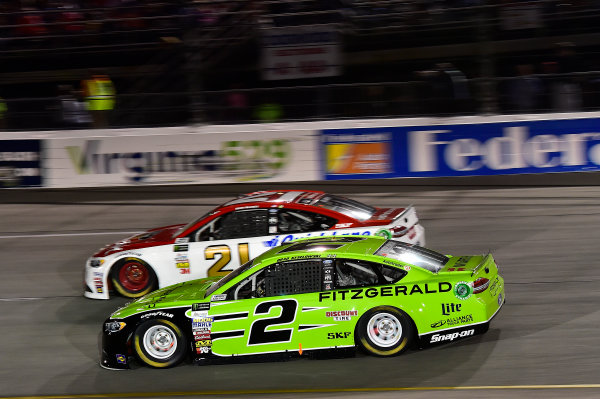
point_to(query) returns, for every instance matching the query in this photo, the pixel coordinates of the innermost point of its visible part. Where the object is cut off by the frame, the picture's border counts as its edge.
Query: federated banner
(20, 163)
(181, 157)
(357, 152)
(476, 149)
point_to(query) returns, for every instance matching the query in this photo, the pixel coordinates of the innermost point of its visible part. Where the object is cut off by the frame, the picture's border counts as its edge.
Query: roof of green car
(357, 245)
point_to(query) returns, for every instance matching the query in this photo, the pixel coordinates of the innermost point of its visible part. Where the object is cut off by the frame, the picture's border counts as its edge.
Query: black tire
(133, 278)
(384, 331)
(159, 343)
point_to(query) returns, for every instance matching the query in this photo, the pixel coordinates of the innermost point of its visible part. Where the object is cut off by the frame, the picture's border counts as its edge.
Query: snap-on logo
(451, 337)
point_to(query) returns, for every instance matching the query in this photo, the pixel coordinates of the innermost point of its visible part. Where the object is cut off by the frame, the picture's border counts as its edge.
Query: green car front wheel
(159, 343)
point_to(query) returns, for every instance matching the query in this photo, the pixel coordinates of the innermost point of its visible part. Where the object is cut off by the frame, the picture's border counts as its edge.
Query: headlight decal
(114, 326)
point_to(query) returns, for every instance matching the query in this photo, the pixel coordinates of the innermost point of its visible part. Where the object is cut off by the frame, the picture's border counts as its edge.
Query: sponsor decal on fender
(453, 321)
(397, 290)
(202, 323)
(157, 314)
(200, 335)
(201, 306)
(463, 290)
(121, 359)
(220, 297)
(342, 315)
(451, 337)
(448, 308)
(338, 335)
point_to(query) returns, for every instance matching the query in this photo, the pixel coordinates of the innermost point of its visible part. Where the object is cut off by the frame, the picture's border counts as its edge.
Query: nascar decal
(362, 293)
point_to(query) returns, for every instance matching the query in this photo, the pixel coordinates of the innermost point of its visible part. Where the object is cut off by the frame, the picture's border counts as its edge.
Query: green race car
(314, 294)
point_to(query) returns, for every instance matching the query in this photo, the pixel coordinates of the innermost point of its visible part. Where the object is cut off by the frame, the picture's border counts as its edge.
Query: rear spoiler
(406, 209)
(485, 260)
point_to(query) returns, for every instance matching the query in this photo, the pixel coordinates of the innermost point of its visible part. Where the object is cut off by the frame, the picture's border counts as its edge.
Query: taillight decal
(480, 285)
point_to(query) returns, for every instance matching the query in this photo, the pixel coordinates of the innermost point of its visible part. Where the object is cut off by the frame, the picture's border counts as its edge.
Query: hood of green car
(174, 295)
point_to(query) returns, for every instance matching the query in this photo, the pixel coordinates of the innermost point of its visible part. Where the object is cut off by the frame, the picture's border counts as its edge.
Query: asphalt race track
(543, 344)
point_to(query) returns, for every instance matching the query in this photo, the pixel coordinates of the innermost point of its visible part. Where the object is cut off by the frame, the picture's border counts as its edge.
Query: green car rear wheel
(384, 331)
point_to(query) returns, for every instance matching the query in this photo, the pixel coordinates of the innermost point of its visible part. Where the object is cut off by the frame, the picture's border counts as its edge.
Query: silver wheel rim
(160, 342)
(384, 329)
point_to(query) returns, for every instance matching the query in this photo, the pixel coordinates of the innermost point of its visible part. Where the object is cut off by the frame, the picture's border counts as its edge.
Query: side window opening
(358, 273)
(252, 287)
(390, 274)
(297, 221)
(353, 273)
(204, 233)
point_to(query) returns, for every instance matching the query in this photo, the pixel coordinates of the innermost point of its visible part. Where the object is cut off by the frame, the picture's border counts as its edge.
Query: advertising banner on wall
(181, 158)
(477, 149)
(20, 163)
(301, 52)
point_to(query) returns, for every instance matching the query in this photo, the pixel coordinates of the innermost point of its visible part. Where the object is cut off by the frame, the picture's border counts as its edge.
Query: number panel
(261, 331)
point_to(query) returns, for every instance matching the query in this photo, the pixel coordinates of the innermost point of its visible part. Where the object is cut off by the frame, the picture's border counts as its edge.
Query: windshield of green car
(348, 207)
(413, 255)
(228, 278)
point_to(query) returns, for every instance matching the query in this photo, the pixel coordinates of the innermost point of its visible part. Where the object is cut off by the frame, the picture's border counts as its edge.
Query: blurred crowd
(550, 76)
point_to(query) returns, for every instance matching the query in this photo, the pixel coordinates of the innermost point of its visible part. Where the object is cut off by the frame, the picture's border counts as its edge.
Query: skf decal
(362, 293)
(338, 335)
(451, 337)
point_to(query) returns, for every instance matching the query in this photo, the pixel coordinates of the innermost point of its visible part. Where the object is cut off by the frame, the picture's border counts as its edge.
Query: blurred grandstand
(183, 61)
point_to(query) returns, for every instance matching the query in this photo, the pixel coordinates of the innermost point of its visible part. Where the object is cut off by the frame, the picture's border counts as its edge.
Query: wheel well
(413, 325)
(112, 270)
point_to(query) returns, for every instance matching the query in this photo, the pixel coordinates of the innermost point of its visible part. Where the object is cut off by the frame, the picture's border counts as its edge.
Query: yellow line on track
(292, 391)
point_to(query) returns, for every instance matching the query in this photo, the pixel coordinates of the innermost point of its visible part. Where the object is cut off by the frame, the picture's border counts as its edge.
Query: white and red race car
(233, 233)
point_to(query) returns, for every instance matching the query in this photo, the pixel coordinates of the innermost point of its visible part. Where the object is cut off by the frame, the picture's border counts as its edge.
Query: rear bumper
(490, 307)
